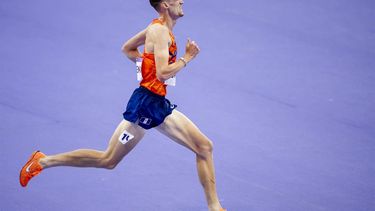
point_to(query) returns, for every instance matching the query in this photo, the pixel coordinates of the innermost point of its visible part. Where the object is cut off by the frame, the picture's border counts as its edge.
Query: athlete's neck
(168, 21)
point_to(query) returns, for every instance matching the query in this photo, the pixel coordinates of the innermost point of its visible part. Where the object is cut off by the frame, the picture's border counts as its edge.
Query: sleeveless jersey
(150, 81)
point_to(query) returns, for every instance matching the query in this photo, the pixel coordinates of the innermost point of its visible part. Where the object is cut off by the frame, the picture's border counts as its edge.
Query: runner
(147, 108)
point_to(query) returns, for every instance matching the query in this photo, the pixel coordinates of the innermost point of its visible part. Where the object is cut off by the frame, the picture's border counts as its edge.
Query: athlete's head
(172, 7)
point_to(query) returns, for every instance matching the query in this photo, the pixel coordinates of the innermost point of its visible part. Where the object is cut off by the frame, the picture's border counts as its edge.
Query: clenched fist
(192, 50)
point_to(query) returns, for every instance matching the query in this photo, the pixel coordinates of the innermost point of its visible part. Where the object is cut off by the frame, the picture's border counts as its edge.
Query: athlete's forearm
(170, 70)
(133, 54)
(130, 48)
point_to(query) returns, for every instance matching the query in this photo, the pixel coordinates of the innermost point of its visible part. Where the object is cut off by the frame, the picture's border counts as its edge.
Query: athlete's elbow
(125, 49)
(161, 76)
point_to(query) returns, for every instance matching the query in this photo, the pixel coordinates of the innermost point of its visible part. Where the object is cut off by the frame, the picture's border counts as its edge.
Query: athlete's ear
(165, 4)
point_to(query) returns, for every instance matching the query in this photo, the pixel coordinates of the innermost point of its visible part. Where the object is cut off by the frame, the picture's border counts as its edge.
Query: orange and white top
(149, 79)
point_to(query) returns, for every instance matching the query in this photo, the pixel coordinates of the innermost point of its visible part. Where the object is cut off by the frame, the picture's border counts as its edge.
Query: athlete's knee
(205, 149)
(111, 166)
(108, 162)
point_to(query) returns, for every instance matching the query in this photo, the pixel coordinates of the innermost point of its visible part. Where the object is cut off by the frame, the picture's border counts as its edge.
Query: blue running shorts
(147, 108)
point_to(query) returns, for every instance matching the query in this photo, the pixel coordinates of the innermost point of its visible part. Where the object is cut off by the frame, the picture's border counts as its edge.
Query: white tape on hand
(125, 137)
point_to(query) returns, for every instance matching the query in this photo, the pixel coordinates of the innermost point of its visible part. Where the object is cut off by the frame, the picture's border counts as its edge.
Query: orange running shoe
(31, 168)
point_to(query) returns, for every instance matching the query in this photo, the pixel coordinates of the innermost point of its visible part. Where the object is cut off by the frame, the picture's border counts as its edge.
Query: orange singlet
(150, 81)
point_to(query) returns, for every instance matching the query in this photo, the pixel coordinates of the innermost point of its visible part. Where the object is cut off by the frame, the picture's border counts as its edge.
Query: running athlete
(147, 108)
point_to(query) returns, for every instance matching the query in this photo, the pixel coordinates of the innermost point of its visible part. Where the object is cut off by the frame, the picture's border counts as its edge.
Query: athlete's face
(175, 8)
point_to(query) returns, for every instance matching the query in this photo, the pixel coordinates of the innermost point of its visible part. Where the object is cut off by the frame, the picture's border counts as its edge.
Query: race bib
(138, 64)
(171, 81)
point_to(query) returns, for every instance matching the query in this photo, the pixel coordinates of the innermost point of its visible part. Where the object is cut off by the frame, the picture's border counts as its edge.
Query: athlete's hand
(192, 50)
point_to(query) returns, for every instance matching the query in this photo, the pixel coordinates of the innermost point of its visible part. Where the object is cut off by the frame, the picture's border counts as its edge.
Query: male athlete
(147, 108)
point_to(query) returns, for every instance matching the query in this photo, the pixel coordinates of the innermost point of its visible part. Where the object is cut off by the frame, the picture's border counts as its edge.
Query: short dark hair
(155, 4)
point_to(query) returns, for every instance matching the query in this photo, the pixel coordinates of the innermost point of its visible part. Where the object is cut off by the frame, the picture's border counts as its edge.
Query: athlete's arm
(160, 37)
(130, 48)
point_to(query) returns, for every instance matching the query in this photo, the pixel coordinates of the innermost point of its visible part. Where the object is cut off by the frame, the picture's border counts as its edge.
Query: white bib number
(171, 81)
(138, 64)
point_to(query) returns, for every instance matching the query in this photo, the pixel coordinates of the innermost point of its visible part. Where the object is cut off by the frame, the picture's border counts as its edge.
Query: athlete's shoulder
(157, 30)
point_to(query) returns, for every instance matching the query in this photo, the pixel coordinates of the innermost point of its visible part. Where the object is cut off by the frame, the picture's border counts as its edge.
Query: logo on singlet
(172, 57)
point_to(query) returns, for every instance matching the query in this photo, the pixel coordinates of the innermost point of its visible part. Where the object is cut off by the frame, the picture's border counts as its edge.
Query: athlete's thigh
(181, 129)
(126, 136)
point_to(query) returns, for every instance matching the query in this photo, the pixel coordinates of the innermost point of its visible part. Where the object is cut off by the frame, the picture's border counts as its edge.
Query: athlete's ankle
(214, 207)
(43, 162)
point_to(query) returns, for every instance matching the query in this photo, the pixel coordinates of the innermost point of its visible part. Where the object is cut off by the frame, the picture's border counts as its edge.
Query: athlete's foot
(31, 168)
(221, 209)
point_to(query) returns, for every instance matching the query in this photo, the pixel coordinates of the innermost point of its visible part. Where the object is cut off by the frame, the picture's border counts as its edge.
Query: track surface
(285, 89)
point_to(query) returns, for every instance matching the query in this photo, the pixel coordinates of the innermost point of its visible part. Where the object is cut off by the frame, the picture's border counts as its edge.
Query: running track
(285, 89)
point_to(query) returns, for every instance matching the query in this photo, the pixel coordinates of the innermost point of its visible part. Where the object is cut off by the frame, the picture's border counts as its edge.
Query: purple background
(285, 89)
